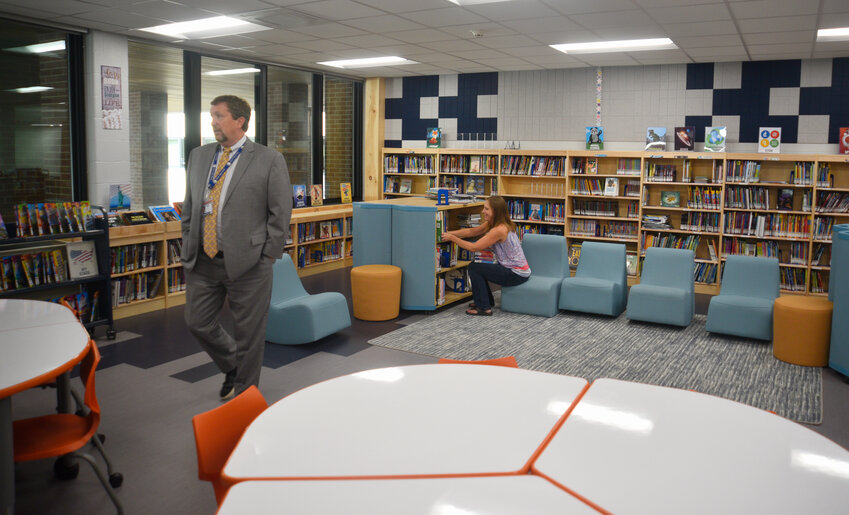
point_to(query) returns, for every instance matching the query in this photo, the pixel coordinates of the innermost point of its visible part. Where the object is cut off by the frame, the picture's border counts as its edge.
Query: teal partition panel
(372, 234)
(838, 292)
(414, 251)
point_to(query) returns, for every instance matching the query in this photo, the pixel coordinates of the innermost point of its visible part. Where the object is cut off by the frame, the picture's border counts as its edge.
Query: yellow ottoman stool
(801, 330)
(376, 291)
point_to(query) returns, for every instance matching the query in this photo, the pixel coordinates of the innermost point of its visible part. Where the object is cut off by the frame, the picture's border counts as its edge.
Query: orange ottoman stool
(376, 291)
(801, 330)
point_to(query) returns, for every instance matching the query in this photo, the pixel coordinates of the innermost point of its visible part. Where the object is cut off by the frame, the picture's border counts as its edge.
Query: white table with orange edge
(636, 448)
(497, 495)
(410, 421)
(39, 341)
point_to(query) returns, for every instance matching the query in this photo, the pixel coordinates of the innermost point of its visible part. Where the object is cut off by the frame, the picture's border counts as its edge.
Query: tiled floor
(154, 378)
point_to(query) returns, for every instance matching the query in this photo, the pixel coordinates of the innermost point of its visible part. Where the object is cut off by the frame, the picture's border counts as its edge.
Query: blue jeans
(480, 273)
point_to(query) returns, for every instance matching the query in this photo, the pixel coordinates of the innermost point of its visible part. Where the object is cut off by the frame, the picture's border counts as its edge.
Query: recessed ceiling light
(39, 48)
(368, 62)
(234, 71)
(475, 2)
(630, 45)
(840, 34)
(31, 89)
(205, 28)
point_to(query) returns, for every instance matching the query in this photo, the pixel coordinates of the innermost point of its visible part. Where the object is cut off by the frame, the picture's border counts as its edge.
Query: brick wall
(339, 127)
(288, 106)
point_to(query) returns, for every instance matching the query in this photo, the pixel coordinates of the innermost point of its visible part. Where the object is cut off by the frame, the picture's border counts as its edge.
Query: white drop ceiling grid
(438, 35)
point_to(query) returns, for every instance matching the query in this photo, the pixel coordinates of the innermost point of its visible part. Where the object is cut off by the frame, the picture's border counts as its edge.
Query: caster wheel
(116, 479)
(111, 333)
(102, 437)
(64, 471)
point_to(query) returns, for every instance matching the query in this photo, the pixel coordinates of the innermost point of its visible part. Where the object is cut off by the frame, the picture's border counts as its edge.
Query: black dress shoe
(229, 386)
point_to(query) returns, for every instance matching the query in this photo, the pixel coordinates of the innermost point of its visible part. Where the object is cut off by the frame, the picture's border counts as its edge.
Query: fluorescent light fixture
(39, 48)
(367, 62)
(234, 71)
(476, 2)
(31, 89)
(629, 45)
(841, 34)
(205, 28)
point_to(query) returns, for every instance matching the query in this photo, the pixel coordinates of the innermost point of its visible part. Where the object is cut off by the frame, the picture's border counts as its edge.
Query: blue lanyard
(213, 179)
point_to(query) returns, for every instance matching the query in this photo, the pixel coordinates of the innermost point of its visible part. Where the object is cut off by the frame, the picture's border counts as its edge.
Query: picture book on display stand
(434, 137)
(345, 192)
(656, 138)
(843, 141)
(595, 138)
(120, 196)
(715, 139)
(685, 137)
(300, 195)
(785, 199)
(316, 195)
(769, 140)
(164, 213)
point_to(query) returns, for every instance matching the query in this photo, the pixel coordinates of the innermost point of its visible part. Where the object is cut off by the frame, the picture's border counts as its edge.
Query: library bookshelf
(141, 253)
(777, 205)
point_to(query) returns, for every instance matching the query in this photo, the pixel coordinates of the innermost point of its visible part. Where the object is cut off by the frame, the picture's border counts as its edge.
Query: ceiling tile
(612, 19)
(780, 24)
(556, 38)
(513, 10)
(533, 51)
(383, 24)
(553, 61)
(402, 49)
(648, 4)
(630, 32)
(589, 6)
(420, 36)
(366, 40)
(834, 6)
(710, 28)
(455, 45)
(402, 6)
(477, 55)
(169, 11)
(226, 6)
(706, 12)
(538, 25)
(716, 51)
(796, 36)
(505, 41)
(321, 45)
(491, 29)
(280, 36)
(234, 41)
(337, 9)
(444, 17)
(772, 8)
(121, 18)
(329, 30)
(608, 59)
(54, 8)
(709, 41)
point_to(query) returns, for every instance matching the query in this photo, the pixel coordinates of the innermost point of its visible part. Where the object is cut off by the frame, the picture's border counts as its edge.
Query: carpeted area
(591, 347)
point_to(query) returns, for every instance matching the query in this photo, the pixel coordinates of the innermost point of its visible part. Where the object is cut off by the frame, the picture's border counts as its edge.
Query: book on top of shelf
(178, 207)
(670, 198)
(843, 141)
(715, 138)
(611, 187)
(316, 195)
(406, 186)
(164, 213)
(82, 259)
(434, 137)
(574, 255)
(769, 140)
(631, 263)
(785, 199)
(595, 137)
(120, 196)
(345, 192)
(685, 137)
(592, 165)
(299, 192)
(4, 234)
(136, 217)
(656, 138)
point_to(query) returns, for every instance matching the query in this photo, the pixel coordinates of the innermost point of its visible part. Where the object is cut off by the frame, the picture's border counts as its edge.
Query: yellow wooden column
(373, 141)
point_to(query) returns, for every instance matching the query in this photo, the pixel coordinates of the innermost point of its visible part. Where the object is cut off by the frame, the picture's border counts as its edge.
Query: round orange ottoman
(801, 330)
(376, 291)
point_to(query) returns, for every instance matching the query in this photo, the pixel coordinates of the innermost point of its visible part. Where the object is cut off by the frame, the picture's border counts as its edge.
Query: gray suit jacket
(256, 211)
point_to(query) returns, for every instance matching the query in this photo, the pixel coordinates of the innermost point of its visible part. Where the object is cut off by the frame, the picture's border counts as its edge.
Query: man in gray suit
(235, 220)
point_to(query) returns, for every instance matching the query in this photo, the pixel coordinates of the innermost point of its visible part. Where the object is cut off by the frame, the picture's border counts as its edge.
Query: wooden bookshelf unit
(781, 205)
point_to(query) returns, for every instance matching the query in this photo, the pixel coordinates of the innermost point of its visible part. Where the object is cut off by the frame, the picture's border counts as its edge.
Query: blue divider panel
(838, 292)
(372, 234)
(414, 251)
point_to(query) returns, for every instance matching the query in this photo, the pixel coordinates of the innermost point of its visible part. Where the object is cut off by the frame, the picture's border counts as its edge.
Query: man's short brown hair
(238, 107)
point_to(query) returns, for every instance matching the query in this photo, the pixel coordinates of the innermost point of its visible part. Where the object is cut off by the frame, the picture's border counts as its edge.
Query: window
(224, 77)
(339, 131)
(35, 130)
(290, 100)
(157, 124)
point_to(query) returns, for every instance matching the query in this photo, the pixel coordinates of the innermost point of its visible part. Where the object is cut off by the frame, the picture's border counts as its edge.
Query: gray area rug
(592, 347)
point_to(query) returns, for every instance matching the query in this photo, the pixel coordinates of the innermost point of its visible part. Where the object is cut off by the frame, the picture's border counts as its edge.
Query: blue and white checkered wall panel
(809, 99)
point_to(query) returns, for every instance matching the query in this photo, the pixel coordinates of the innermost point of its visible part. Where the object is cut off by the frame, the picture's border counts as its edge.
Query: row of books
(793, 279)
(659, 172)
(533, 165)
(321, 252)
(738, 247)
(446, 255)
(468, 164)
(176, 280)
(127, 258)
(523, 210)
(705, 272)
(753, 197)
(597, 187)
(175, 251)
(671, 241)
(704, 197)
(32, 269)
(743, 171)
(825, 179)
(819, 281)
(832, 202)
(320, 230)
(767, 225)
(822, 227)
(588, 207)
(141, 286)
(522, 229)
(51, 218)
(651, 221)
(467, 185)
(700, 221)
(603, 229)
(86, 308)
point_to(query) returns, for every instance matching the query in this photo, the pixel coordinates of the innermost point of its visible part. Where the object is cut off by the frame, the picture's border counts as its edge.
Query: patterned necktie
(210, 221)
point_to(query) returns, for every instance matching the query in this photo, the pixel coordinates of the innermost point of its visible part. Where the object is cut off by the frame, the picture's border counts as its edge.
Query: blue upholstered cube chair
(744, 305)
(600, 284)
(296, 317)
(666, 293)
(539, 295)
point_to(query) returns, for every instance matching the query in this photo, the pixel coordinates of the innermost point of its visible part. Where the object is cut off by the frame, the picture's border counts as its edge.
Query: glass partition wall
(290, 100)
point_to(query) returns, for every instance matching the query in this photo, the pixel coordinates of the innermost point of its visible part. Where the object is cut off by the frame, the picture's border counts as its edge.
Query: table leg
(63, 393)
(7, 459)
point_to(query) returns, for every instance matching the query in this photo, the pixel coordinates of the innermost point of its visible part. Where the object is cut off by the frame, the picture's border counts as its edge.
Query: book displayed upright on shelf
(137, 217)
(843, 141)
(715, 139)
(178, 207)
(656, 138)
(574, 255)
(345, 192)
(299, 192)
(406, 186)
(164, 213)
(120, 196)
(769, 140)
(785, 199)
(685, 137)
(595, 137)
(316, 195)
(82, 260)
(434, 137)
(670, 198)
(611, 187)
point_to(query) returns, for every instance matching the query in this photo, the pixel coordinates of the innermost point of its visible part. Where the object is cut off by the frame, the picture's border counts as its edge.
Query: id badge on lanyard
(214, 178)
